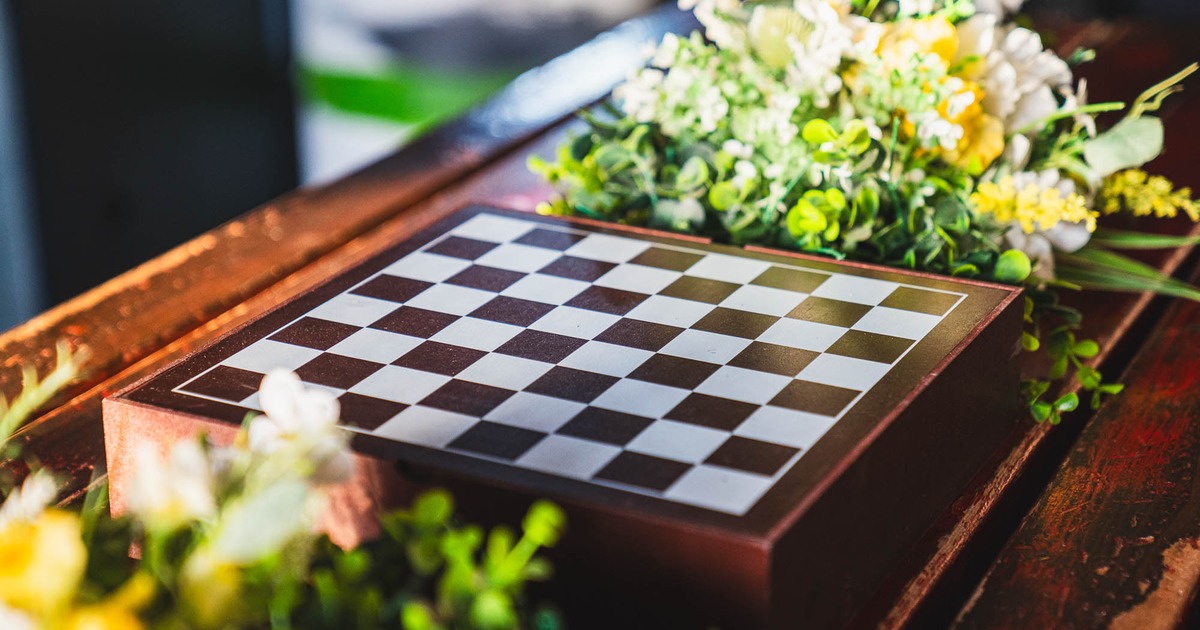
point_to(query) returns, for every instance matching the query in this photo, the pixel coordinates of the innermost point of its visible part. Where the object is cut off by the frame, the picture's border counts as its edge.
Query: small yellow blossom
(103, 617)
(907, 38)
(41, 562)
(983, 134)
(1143, 194)
(1033, 208)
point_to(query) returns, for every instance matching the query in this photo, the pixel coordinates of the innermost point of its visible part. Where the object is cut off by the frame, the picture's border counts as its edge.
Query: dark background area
(138, 124)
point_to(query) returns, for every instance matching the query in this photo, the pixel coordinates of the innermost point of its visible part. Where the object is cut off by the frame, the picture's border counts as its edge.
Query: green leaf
(1096, 268)
(1123, 239)
(1041, 411)
(856, 137)
(1013, 267)
(1129, 144)
(693, 175)
(1067, 402)
(1086, 349)
(804, 219)
(818, 132)
(1030, 343)
(723, 196)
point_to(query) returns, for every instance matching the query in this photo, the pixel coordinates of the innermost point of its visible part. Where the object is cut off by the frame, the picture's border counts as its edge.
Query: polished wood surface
(176, 303)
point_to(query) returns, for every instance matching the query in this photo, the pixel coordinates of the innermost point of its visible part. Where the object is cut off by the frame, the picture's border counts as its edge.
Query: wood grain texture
(1115, 540)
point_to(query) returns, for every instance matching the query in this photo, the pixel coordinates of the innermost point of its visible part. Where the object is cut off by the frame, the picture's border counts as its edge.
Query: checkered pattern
(692, 376)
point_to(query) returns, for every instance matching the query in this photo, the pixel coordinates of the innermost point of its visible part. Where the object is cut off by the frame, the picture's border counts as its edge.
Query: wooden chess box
(755, 436)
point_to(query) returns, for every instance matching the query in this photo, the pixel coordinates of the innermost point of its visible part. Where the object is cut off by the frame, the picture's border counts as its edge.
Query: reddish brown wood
(1115, 540)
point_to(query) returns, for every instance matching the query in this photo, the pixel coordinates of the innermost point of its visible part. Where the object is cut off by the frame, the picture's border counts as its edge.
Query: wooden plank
(1115, 540)
(943, 570)
(135, 314)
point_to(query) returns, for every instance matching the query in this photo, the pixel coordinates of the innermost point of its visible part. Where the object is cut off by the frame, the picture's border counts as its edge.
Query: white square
(501, 370)
(720, 489)
(785, 426)
(575, 322)
(606, 358)
(728, 268)
(661, 309)
(479, 334)
(765, 300)
(568, 456)
(839, 371)
(745, 385)
(639, 398)
(426, 426)
(376, 345)
(449, 298)
(897, 323)
(353, 309)
(534, 411)
(545, 289)
(855, 289)
(608, 248)
(494, 228)
(678, 441)
(517, 257)
(795, 333)
(400, 385)
(265, 355)
(427, 267)
(638, 279)
(706, 346)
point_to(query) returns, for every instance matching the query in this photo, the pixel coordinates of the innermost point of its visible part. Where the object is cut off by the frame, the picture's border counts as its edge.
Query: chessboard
(599, 363)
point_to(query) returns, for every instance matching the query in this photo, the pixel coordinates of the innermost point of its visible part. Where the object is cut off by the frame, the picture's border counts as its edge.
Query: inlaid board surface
(693, 375)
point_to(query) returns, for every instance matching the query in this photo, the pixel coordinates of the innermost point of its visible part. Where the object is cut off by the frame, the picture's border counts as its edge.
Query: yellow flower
(983, 134)
(1143, 194)
(931, 35)
(41, 562)
(1033, 208)
(210, 587)
(103, 617)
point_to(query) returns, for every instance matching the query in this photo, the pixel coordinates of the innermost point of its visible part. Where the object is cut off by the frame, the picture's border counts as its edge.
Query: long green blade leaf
(1096, 257)
(1091, 278)
(1125, 239)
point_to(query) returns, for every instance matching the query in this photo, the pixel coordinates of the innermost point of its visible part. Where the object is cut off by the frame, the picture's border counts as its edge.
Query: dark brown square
(870, 346)
(667, 259)
(768, 357)
(459, 247)
(790, 279)
(486, 278)
(606, 300)
(825, 400)
(497, 440)
(711, 411)
(440, 358)
(826, 311)
(643, 471)
(335, 370)
(314, 333)
(700, 290)
(602, 425)
(392, 288)
(513, 311)
(366, 412)
(226, 383)
(471, 399)
(920, 301)
(762, 458)
(735, 323)
(577, 268)
(541, 346)
(550, 239)
(674, 371)
(415, 322)
(571, 384)
(638, 334)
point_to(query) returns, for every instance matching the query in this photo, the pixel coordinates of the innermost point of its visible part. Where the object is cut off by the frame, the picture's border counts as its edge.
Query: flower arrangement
(226, 538)
(936, 135)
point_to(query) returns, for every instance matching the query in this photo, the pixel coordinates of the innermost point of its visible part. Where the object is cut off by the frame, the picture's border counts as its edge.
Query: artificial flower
(304, 419)
(169, 494)
(13, 619)
(41, 562)
(26, 503)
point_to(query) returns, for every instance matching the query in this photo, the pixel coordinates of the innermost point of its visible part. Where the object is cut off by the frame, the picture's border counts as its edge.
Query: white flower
(664, 55)
(305, 419)
(717, 29)
(1063, 236)
(818, 55)
(13, 619)
(745, 173)
(998, 7)
(169, 494)
(640, 96)
(1018, 76)
(911, 8)
(738, 149)
(29, 501)
(1077, 99)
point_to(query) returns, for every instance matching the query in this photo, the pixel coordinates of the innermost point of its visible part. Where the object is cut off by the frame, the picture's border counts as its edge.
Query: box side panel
(834, 558)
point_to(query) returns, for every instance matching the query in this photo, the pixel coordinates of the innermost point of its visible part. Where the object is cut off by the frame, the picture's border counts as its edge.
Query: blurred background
(130, 126)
